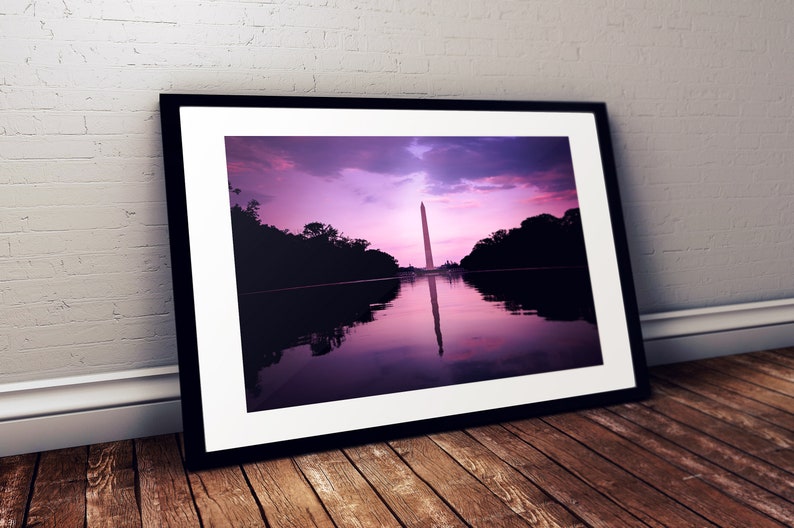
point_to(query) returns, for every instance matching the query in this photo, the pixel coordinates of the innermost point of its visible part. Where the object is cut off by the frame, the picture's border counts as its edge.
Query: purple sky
(371, 187)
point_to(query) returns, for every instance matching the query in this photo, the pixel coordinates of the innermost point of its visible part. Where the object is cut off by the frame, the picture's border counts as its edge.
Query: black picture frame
(220, 425)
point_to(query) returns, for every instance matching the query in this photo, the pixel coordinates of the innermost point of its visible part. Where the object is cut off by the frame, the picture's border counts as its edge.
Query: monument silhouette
(428, 253)
(431, 281)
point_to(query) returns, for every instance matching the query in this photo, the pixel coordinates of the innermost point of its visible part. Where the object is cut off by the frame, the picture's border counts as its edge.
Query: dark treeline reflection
(317, 316)
(556, 294)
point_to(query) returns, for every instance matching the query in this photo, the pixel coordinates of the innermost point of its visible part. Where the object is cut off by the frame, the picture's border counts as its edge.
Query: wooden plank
(782, 376)
(347, 497)
(777, 435)
(472, 501)
(514, 489)
(110, 491)
(16, 478)
(715, 442)
(750, 373)
(776, 357)
(564, 487)
(411, 500)
(740, 438)
(702, 498)
(692, 377)
(750, 389)
(223, 498)
(786, 351)
(165, 496)
(748, 467)
(644, 501)
(700, 468)
(285, 495)
(59, 489)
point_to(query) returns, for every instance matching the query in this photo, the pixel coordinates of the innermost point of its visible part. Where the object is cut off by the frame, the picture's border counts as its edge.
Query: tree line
(268, 258)
(542, 240)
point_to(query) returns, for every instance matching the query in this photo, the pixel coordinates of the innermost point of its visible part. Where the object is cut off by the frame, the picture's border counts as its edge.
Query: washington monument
(428, 254)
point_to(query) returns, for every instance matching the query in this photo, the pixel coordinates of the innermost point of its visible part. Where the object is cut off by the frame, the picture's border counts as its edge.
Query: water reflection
(431, 283)
(556, 294)
(323, 343)
(319, 317)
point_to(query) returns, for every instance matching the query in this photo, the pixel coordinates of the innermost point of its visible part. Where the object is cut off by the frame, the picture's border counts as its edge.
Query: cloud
(466, 204)
(496, 163)
(323, 157)
(450, 165)
(246, 155)
(551, 197)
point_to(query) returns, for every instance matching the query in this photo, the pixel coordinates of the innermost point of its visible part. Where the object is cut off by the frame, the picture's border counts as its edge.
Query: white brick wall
(699, 93)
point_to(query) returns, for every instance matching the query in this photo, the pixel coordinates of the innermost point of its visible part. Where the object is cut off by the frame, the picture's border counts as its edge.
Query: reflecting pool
(332, 342)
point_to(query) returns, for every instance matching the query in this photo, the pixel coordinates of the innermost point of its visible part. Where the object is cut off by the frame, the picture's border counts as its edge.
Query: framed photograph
(347, 270)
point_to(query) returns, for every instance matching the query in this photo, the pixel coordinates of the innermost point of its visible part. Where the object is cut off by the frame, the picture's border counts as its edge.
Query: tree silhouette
(268, 258)
(542, 240)
(319, 231)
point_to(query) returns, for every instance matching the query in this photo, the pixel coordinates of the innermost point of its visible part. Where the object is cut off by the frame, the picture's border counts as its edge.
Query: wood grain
(741, 438)
(348, 498)
(515, 490)
(748, 467)
(59, 489)
(778, 357)
(165, 497)
(749, 370)
(751, 386)
(777, 365)
(712, 446)
(412, 501)
(223, 498)
(699, 468)
(702, 381)
(586, 502)
(662, 475)
(16, 477)
(472, 501)
(286, 497)
(110, 491)
(652, 506)
(763, 428)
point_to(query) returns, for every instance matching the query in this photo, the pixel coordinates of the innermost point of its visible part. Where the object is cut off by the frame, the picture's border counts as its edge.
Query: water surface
(333, 342)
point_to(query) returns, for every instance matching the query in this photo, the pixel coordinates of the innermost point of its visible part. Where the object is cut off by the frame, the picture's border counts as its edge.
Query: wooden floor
(713, 446)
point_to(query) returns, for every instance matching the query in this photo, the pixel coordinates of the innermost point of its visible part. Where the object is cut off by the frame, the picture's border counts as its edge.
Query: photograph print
(381, 264)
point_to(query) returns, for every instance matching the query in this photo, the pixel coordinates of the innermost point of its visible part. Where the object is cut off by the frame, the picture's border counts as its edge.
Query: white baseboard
(686, 335)
(65, 412)
(57, 431)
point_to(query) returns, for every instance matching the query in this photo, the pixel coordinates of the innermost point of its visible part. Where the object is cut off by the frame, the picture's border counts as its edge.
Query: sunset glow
(371, 187)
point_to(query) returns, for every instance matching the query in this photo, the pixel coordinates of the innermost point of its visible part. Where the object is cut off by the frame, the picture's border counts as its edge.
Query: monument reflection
(331, 342)
(388, 342)
(431, 283)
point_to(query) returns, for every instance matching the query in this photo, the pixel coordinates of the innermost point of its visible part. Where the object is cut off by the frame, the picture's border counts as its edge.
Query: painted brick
(38, 268)
(144, 122)
(413, 66)
(699, 94)
(53, 147)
